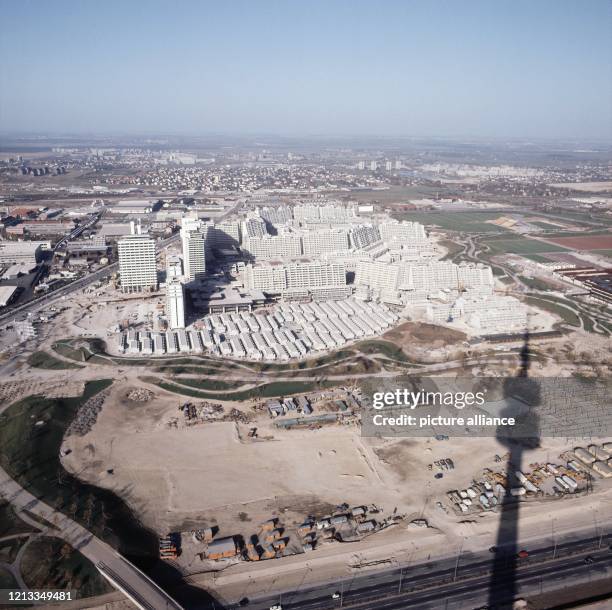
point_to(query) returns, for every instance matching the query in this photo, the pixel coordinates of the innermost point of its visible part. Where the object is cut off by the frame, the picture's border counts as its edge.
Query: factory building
(135, 207)
(20, 252)
(47, 227)
(137, 263)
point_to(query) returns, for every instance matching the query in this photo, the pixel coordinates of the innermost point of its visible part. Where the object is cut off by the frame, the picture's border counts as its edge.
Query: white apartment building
(402, 232)
(326, 240)
(194, 236)
(277, 216)
(302, 277)
(137, 263)
(284, 245)
(363, 236)
(323, 214)
(426, 277)
(224, 235)
(487, 314)
(175, 303)
(253, 226)
(313, 275)
(269, 278)
(378, 275)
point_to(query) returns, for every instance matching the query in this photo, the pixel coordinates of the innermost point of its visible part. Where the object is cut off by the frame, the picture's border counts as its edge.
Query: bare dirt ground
(184, 478)
(586, 242)
(429, 334)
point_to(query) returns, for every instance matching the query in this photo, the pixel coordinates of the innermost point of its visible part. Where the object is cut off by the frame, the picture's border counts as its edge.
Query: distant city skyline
(474, 69)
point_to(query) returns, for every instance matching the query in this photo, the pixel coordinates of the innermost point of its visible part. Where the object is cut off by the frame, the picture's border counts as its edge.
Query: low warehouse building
(222, 548)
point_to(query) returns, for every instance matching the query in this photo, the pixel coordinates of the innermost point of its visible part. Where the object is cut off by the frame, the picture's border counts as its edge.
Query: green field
(268, 390)
(567, 315)
(466, 222)
(212, 385)
(453, 249)
(521, 245)
(534, 283)
(42, 360)
(50, 563)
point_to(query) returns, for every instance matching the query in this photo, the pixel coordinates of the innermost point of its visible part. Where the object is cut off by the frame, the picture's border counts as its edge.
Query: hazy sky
(535, 68)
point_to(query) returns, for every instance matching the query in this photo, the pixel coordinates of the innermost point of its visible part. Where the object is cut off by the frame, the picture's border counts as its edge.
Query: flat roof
(6, 292)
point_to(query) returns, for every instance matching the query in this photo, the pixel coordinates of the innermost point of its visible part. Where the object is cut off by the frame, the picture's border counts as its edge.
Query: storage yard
(283, 332)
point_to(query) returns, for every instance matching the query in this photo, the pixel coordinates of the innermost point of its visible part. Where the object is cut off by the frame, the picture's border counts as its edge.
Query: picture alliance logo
(413, 399)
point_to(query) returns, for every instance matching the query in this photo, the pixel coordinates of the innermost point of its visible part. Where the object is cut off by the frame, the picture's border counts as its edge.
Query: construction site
(318, 486)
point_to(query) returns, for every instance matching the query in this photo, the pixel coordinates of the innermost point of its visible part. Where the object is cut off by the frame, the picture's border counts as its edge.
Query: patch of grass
(31, 435)
(538, 258)
(567, 315)
(388, 349)
(10, 523)
(521, 246)
(51, 563)
(301, 365)
(465, 222)
(7, 581)
(9, 549)
(209, 384)
(268, 390)
(452, 247)
(534, 283)
(43, 360)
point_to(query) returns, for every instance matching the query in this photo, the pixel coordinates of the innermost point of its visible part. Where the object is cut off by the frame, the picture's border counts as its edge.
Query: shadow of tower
(503, 585)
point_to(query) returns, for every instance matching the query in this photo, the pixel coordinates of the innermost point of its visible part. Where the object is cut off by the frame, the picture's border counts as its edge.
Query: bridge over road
(122, 574)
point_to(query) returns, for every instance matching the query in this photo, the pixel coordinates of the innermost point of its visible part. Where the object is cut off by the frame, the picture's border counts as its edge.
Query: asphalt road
(448, 584)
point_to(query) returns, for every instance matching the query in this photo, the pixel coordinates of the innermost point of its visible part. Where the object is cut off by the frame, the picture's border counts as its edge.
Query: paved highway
(451, 583)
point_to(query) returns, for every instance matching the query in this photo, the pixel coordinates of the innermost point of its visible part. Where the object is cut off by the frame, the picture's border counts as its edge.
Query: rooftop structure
(175, 303)
(7, 294)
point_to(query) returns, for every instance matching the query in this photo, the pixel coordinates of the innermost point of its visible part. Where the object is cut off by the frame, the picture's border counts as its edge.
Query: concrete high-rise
(137, 263)
(193, 237)
(175, 303)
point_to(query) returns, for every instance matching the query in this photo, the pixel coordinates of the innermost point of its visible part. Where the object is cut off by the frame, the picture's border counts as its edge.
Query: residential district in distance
(190, 334)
